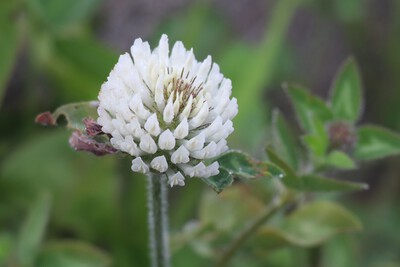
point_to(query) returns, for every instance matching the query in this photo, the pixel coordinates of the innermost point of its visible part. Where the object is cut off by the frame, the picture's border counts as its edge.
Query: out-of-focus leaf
(6, 245)
(340, 251)
(33, 229)
(346, 96)
(79, 67)
(308, 106)
(73, 113)
(313, 183)
(8, 44)
(310, 225)
(187, 256)
(236, 164)
(350, 11)
(340, 160)
(72, 253)
(47, 162)
(317, 140)
(251, 80)
(290, 178)
(61, 14)
(283, 140)
(375, 142)
(386, 264)
(229, 209)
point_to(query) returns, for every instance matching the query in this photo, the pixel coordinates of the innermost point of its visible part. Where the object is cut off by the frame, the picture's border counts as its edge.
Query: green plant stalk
(158, 220)
(251, 229)
(267, 54)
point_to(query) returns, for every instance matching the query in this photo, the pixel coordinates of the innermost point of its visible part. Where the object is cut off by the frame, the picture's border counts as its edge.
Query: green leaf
(32, 231)
(313, 183)
(340, 160)
(306, 104)
(318, 140)
(230, 209)
(236, 164)
(290, 178)
(283, 140)
(346, 92)
(72, 253)
(219, 181)
(8, 44)
(62, 14)
(73, 114)
(310, 225)
(375, 142)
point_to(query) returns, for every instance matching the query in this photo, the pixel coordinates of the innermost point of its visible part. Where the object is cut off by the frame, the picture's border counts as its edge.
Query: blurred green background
(92, 211)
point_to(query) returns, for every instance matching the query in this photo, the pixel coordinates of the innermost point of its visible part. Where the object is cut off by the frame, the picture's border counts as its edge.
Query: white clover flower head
(167, 110)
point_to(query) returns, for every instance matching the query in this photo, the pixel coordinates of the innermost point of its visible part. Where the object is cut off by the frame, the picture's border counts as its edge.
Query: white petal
(152, 126)
(210, 150)
(230, 111)
(198, 154)
(178, 54)
(130, 146)
(166, 141)
(211, 170)
(213, 127)
(221, 147)
(176, 179)
(182, 130)
(186, 111)
(136, 105)
(199, 170)
(187, 169)
(116, 142)
(159, 93)
(181, 155)
(159, 164)
(176, 105)
(128, 73)
(139, 166)
(140, 52)
(189, 60)
(203, 71)
(168, 114)
(200, 117)
(133, 127)
(196, 143)
(163, 49)
(147, 144)
(223, 132)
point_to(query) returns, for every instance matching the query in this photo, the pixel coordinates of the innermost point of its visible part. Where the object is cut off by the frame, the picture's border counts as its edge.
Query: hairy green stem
(158, 220)
(251, 229)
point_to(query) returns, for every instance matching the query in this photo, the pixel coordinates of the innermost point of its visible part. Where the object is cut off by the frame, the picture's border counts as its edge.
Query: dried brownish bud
(45, 119)
(92, 127)
(81, 142)
(342, 136)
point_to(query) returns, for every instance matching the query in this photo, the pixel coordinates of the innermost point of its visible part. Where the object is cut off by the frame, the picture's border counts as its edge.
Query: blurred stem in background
(258, 71)
(158, 220)
(270, 210)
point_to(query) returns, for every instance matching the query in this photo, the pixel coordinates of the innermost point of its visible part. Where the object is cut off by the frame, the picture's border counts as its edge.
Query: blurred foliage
(61, 208)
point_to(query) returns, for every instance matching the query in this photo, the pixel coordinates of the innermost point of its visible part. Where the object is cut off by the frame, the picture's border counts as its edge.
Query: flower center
(181, 88)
